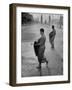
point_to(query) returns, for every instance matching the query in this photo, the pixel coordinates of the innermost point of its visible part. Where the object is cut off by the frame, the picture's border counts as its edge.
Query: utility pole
(49, 19)
(41, 19)
(61, 21)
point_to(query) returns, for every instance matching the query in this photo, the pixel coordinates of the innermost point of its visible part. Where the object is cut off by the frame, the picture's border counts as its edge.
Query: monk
(52, 36)
(40, 48)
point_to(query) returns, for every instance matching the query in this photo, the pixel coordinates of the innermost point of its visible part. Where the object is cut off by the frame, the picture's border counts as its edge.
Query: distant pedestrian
(40, 48)
(52, 35)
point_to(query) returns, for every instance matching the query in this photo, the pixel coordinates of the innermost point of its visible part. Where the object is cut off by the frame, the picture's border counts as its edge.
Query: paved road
(54, 56)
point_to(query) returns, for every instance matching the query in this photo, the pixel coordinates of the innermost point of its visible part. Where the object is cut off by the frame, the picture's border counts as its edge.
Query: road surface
(29, 61)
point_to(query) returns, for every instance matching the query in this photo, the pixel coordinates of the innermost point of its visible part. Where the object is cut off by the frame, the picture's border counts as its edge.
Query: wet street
(29, 61)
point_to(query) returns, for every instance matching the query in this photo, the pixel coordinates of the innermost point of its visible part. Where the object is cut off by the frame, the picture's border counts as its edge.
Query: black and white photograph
(41, 44)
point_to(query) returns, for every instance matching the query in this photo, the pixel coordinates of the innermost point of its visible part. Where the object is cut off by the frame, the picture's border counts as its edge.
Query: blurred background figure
(52, 36)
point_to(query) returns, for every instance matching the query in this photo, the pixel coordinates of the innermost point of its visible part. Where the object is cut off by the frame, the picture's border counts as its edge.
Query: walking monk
(40, 48)
(52, 36)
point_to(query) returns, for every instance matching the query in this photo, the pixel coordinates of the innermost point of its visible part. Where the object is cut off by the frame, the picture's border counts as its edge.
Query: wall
(4, 45)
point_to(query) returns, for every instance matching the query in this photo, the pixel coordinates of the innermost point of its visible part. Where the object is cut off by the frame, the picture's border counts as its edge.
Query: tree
(26, 18)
